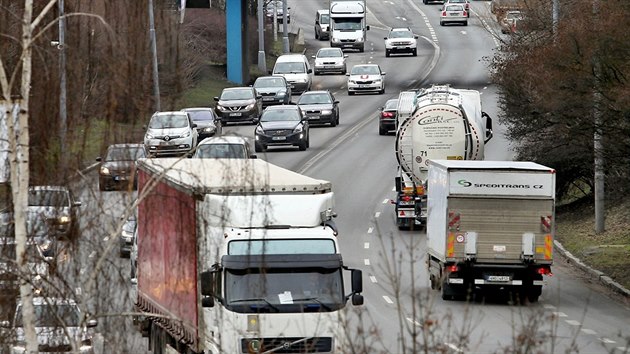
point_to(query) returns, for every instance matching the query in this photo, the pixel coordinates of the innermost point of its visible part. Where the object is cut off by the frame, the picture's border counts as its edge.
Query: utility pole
(285, 34)
(63, 115)
(275, 21)
(156, 77)
(262, 61)
(555, 15)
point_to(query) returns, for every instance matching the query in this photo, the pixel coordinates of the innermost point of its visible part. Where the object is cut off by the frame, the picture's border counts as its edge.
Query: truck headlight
(64, 219)
(105, 170)
(335, 40)
(359, 40)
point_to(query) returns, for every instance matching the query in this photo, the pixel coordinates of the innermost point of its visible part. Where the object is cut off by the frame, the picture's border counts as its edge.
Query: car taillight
(465, 13)
(444, 13)
(452, 268)
(387, 115)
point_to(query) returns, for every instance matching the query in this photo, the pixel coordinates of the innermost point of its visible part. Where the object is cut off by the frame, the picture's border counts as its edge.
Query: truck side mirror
(489, 133)
(357, 281)
(367, 28)
(207, 278)
(398, 184)
(309, 71)
(357, 299)
(207, 301)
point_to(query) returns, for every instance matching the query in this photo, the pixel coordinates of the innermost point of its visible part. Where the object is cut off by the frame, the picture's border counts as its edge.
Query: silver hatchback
(170, 133)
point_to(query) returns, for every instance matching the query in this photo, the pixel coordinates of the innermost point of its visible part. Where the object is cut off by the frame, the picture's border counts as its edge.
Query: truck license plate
(503, 278)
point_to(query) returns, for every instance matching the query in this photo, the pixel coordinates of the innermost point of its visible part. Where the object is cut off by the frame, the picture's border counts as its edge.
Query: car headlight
(326, 111)
(301, 80)
(221, 108)
(298, 129)
(105, 170)
(45, 245)
(351, 82)
(335, 40)
(259, 130)
(249, 106)
(378, 80)
(127, 235)
(186, 134)
(64, 219)
(149, 136)
(208, 129)
(359, 40)
(281, 93)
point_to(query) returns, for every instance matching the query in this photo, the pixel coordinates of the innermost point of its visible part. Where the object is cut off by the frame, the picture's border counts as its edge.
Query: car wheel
(333, 122)
(465, 23)
(387, 53)
(259, 148)
(382, 91)
(308, 141)
(350, 93)
(316, 35)
(302, 146)
(361, 50)
(381, 130)
(415, 52)
(315, 72)
(441, 23)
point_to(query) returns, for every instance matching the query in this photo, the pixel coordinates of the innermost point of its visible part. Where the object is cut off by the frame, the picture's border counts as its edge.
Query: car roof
(237, 88)
(400, 29)
(359, 65)
(315, 92)
(281, 107)
(48, 188)
(163, 113)
(271, 77)
(194, 109)
(230, 139)
(290, 58)
(126, 145)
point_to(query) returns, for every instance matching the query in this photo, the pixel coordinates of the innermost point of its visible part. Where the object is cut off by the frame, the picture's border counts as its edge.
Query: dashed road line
(377, 214)
(454, 347)
(373, 279)
(573, 322)
(607, 340)
(385, 201)
(366, 261)
(92, 254)
(414, 322)
(549, 307)
(588, 331)
(370, 230)
(560, 314)
(106, 238)
(366, 245)
(426, 21)
(387, 299)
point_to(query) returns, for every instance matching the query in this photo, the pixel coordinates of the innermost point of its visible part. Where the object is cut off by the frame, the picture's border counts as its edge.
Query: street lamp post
(63, 114)
(285, 35)
(156, 77)
(262, 62)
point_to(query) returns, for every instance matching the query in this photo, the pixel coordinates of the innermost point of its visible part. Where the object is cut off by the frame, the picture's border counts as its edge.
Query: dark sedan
(207, 123)
(273, 89)
(282, 125)
(387, 117)
(319, 107)
(118, 169)
(239, 104)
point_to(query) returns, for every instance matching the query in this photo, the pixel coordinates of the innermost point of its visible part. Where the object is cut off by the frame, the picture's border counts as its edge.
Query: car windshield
(513, 16)
(347, 24)
(330, 53)
(269, 82)
(324, 19)
(391, 105)
(52, 315)
(201, 115)
(41, 197)
(314, 98)
(227, 95)
(166, 121)
(365, 70)
(279, 115)
(128, 153)
(221, 151)
(454, 8)
(400, 34)
(290, 68)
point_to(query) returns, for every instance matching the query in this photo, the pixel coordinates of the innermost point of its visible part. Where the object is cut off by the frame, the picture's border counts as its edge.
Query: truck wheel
(447, 292)
(387, 53)
(350, 93)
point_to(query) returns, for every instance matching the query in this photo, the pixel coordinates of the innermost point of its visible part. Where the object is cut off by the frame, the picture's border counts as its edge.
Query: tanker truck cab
(281, 287)
(348, 28)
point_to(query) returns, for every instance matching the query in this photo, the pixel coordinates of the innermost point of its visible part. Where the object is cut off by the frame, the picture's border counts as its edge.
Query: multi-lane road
(401, 313)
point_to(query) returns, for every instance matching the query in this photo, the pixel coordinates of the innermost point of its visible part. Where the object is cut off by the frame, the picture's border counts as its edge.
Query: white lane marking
(607, 340)
(373, 279)
(92, 254)
(549, 307)
(370, 230)
(485, 88)
(588, 331)
(366, 245)
(414, 322)
(377, 214)
(78, 291)
(623, 349)
(573, 322)
(426, 20)
(366, 261)
(463, 32)
(560, 314)
(394, 189)
(385, 201)
(387, 2)
(371, 57)
(387, 299)
(454, 347)
(404, 19)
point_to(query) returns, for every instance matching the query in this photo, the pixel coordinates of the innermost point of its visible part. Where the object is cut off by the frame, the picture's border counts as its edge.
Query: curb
(599, 275)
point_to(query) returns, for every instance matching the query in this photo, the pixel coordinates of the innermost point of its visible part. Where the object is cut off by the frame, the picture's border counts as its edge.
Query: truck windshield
(350, 24)
(283, 290)
(283, 246)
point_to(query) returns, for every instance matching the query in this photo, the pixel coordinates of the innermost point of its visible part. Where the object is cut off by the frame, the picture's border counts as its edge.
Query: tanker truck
(439, 122)
(239, 256)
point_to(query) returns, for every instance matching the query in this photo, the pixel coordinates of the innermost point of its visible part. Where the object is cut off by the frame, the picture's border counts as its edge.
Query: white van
(296, 70)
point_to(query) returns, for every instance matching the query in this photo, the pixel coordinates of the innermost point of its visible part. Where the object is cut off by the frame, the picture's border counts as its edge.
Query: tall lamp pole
(156, 77)
(262, 62)
(63, 115)
(285, 35)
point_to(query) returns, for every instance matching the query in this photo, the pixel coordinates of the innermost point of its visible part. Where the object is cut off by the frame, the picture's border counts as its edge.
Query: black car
(118, 169)
(273, 89)
(387, 117)
(206, 120)
(319, 107)
(282, 125)
(56, 206)
(239, 104)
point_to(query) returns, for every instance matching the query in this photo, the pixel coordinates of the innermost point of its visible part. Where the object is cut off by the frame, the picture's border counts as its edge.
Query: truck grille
(291, 345)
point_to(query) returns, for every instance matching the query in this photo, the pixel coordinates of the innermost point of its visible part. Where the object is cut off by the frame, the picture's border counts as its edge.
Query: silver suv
(401, 40)
(170, 133)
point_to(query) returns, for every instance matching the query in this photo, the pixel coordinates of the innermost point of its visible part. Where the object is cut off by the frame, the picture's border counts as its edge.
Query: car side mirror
(91, 323)
(345, 55)
(5, 324)
(144, 127)
(383, 73)
(194, 125)
(384, 37)
(309, 71)
(347, 74)
(367, 28)
(258, 97)
(99, 159)
(316, 22)
(381, 108)
(77, 204)
(216, 98)
(336, 102)
(269, 72)
(415, 36)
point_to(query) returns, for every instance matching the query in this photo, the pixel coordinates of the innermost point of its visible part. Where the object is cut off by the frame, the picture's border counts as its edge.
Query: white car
(170, 133)
(453, 13)
(330, 60)
(224, 147)
(401, 40)
(466, 4)
(366, 78)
